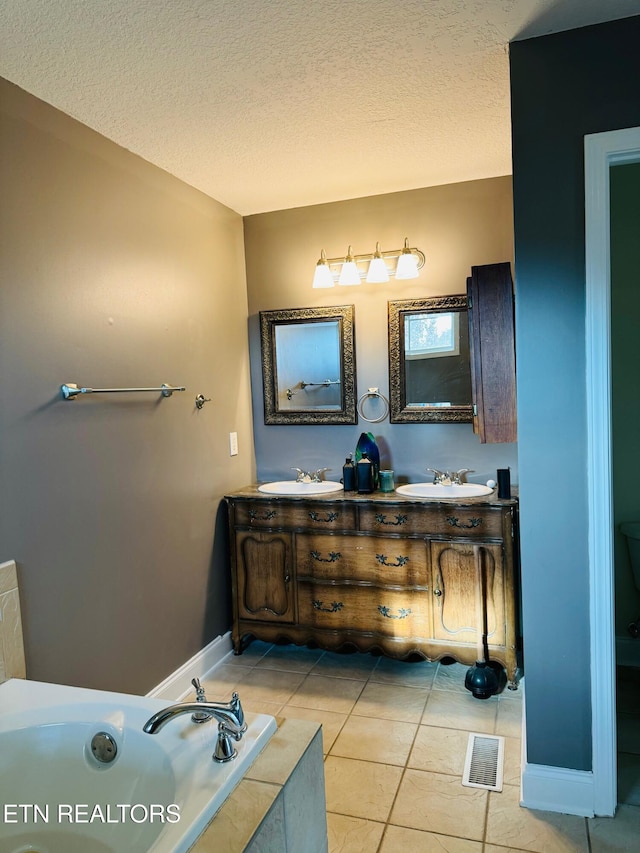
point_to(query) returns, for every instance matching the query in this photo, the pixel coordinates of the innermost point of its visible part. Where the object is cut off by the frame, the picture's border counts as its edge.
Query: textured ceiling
(271, 104)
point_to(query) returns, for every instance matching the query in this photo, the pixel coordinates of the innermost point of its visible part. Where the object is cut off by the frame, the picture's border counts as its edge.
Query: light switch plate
(233, 444)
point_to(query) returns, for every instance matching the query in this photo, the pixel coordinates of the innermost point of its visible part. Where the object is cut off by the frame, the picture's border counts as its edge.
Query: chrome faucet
(449, 478)
(230, 717)
(309, 476)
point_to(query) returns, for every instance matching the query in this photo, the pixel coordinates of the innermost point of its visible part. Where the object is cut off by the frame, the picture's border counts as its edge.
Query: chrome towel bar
(70, 390)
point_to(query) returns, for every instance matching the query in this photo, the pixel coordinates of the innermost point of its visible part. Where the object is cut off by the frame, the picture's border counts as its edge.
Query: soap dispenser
(365, 475)
(349, 475)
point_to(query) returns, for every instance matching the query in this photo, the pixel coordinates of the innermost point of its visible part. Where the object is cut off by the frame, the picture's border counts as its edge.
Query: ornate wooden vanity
(378, 572)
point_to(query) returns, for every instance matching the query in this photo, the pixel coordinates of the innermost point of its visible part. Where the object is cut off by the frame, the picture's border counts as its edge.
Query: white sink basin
(292, 487)
(437, 490)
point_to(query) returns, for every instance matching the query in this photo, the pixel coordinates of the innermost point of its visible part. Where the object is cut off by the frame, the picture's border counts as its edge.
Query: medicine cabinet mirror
(308, 365)
(429, 361)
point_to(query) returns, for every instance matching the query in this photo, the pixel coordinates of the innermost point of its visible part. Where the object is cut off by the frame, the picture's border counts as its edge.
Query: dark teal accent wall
(563, 86)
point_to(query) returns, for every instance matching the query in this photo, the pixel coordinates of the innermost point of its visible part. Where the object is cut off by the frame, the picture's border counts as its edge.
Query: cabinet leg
(513, 678)
(241, 643)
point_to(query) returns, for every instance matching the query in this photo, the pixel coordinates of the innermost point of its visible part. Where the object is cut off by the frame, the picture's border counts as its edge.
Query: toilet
(631, 530)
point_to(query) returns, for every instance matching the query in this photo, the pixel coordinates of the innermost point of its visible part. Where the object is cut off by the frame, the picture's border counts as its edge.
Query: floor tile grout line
(402, 775)
(486, 820)
(588, 834)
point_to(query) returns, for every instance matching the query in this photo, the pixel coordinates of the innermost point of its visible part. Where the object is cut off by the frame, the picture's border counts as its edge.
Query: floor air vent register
(483, 765)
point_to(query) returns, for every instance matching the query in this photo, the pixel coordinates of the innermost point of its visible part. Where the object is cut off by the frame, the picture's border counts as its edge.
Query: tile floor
(395, 737)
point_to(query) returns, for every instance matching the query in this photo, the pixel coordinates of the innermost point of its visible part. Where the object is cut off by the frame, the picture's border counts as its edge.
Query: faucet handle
(438, 476)
(200, 695)
(318, 474)
(457, 476)
(199, 716)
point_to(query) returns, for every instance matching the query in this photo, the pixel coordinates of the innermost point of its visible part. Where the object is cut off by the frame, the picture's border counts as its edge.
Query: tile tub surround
(279, 806)
(396, 733)
(12, 663)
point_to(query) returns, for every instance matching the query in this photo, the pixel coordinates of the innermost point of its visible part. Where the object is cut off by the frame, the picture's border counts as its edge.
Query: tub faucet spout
(229, 715)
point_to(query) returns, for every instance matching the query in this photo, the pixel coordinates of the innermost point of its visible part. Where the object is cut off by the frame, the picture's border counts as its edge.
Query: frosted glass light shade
(349, 274)
(378, 271)
(323, 276)
(407, 266)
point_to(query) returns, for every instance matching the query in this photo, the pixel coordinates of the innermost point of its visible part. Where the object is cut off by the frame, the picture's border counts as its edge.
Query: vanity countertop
(252, 492)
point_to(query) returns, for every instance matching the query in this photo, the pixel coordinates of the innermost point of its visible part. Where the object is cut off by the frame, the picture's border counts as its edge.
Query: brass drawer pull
(382, 519)
(267, 515)
(331, 516)
(473, 522)
(437, 591)
(401, 561)
(332, 558)
(335, 606)
(386, 611)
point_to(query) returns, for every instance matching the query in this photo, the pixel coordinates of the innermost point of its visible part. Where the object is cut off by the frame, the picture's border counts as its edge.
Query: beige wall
(456, 226)
(115, 274)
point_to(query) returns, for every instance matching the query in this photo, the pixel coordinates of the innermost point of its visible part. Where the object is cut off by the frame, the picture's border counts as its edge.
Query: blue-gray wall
(563, 87)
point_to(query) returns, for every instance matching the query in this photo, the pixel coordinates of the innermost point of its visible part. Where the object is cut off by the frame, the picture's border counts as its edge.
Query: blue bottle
(349, 475)
(367, 444)
(365, 475)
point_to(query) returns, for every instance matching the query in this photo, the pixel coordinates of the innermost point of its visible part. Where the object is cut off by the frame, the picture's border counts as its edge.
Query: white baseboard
(628, 651)
(557, 789)
(178, 685)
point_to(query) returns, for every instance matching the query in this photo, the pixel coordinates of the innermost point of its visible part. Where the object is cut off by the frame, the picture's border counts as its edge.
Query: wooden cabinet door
(454, 583)
(264, 565)
(492, 345)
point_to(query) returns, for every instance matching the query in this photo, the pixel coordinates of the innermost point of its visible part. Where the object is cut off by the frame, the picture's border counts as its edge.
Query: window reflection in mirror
(308, 365)
(437, 359)
(429, 369)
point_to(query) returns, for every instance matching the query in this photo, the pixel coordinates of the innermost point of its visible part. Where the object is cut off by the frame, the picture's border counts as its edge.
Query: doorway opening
(602, 151)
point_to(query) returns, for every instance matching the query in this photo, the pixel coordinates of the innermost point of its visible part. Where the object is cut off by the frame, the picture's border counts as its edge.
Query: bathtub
(156, 796)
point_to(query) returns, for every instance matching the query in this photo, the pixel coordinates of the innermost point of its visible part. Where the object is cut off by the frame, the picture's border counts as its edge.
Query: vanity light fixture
(375, 267)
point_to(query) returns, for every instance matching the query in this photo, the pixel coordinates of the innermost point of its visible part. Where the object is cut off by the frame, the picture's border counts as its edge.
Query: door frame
(602, 150)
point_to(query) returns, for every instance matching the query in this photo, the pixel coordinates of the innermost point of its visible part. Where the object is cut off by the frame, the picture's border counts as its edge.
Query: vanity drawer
(289, 515)
(480, 522)
(363, 610)
(365, 559)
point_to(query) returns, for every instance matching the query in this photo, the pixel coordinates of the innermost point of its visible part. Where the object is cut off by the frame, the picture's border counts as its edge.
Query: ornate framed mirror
(308, 365)
(429, 361)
